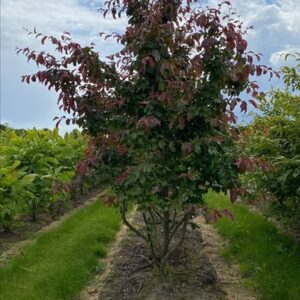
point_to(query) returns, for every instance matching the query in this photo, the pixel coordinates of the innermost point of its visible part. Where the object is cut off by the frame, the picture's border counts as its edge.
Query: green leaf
(28, 179)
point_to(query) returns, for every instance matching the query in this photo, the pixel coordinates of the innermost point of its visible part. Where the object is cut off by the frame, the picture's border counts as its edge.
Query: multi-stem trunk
(164, 232)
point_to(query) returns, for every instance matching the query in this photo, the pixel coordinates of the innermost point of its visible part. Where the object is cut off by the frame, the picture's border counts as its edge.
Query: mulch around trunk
(190, 274)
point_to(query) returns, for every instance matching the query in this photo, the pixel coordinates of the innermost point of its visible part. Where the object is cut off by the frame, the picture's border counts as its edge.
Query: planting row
(39, 172)
(274, 136)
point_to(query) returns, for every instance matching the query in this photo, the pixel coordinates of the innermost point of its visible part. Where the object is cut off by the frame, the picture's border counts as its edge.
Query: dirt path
(197, 272)
(228, 273)
(13, 247)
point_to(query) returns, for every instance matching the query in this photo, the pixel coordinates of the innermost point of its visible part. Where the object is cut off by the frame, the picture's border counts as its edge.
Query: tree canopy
(162, 110)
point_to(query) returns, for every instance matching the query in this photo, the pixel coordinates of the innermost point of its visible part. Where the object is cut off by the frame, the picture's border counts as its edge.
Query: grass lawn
(269, 260)
(59, 262)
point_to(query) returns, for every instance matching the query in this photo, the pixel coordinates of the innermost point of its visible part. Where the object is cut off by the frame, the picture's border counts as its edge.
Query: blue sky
(276, 30)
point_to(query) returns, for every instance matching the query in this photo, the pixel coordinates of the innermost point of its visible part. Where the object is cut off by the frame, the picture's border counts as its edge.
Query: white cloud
(277, 58)
(52, 18)
(33, 105)
(276, 29)
(276, 24)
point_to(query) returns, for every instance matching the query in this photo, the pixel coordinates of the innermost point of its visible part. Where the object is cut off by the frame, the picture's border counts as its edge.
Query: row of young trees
(38, 170)
(274, 136)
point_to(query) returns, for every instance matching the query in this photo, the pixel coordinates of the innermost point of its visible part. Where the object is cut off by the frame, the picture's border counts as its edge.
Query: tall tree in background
(161, 110)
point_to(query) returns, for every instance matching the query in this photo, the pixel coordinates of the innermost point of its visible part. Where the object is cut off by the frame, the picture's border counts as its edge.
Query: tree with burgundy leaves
(161, 111)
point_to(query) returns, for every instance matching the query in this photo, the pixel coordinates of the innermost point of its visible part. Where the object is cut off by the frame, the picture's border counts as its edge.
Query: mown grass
(59, 262)
(269, 260)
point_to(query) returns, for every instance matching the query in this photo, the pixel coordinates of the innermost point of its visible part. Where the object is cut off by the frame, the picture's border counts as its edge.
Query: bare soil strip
(196, 273)
(191, 275)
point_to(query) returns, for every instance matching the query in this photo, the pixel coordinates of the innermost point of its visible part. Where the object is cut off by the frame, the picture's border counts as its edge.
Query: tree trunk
(33, 216)
(6, 228)
(161, 229)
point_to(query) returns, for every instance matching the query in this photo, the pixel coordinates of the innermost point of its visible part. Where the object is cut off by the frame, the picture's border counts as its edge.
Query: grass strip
(58, 263)
(268, 259)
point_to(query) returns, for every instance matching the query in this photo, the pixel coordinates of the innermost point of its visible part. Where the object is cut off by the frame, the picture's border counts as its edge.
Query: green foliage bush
(36, 168)
(275, 137)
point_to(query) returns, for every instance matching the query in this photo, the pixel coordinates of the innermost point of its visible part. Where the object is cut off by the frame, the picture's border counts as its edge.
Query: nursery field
(172, 168)
(37, 171)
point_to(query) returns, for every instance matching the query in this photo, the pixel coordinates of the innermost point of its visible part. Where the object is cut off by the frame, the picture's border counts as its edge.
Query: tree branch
(130, 226)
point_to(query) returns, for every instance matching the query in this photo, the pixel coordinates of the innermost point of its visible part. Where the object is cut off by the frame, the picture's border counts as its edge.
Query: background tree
(275, 137)
(161, 110)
